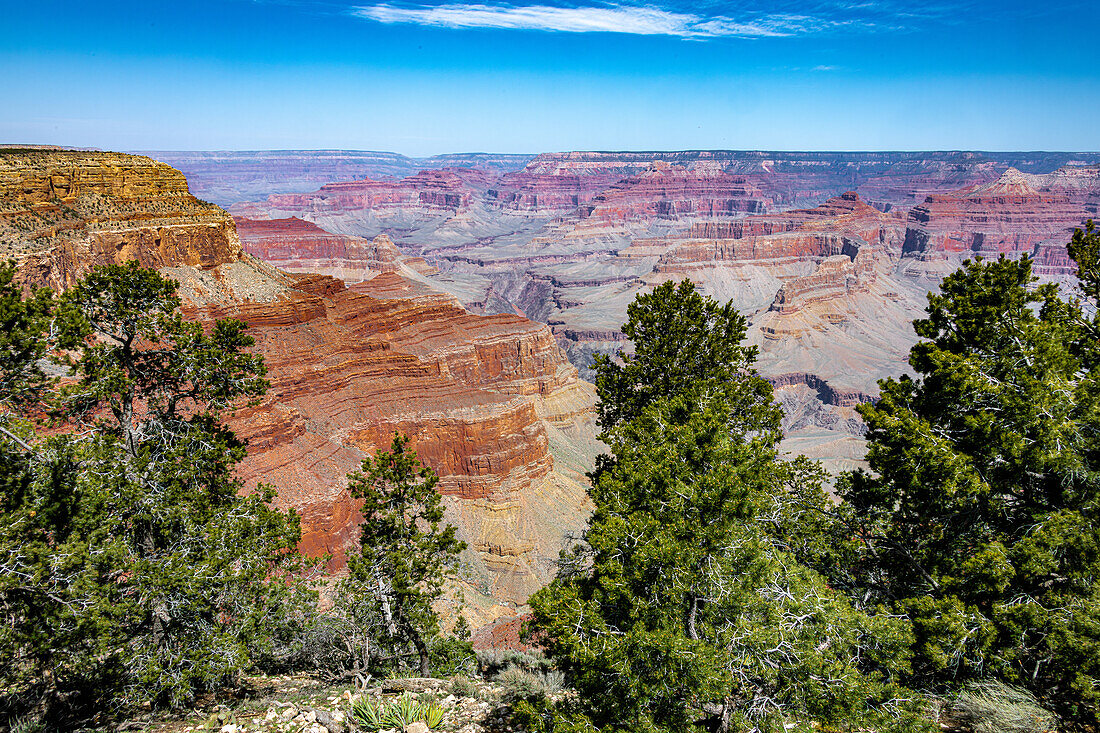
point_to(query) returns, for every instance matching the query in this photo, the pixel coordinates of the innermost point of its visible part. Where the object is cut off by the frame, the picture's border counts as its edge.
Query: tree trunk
(690, 616)
(421, 649)
(387, 612)
(724, 719)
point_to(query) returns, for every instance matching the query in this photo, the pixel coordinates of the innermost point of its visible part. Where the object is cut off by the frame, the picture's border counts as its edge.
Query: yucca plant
(404, 710)
(374, 716)
(370, 716)
(433, 715)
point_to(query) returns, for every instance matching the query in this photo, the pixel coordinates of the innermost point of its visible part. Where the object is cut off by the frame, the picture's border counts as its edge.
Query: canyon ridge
(829, 255)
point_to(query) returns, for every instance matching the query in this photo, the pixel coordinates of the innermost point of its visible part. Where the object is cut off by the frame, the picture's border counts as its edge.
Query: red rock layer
(437, 190)
(845, 213)
(795, 178)
(503, 633)
(555, 192)
(1006, 216)
(837, 276)
(293, 240)
(228, 177)
(828, 394)
(776, 249)
(842, 225)
(348, 370)
(667, 191)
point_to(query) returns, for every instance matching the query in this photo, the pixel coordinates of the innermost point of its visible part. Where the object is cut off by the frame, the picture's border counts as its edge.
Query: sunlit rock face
(62, 212)
(1008, 216)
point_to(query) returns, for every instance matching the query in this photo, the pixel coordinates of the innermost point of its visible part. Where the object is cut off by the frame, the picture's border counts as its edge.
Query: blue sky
(430, 77)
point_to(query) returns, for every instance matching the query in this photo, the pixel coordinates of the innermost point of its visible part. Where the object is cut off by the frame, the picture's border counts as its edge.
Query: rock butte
(489, 401)
(1018, 213)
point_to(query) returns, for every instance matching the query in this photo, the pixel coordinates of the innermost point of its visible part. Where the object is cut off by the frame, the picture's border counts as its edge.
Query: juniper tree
(406, 552)
(685, 605)
(24, 323)
(150, 576)
(682, 342)
(980, 521)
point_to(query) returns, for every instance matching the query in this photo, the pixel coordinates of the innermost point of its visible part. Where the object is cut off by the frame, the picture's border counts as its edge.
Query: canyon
(488, 400)
(829, 255)
(461, 299)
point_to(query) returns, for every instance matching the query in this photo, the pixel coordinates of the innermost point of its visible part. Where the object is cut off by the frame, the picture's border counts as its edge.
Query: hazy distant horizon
(533, 153)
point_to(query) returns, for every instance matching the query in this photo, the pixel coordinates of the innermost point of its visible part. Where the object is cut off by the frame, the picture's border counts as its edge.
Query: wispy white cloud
(637, 20)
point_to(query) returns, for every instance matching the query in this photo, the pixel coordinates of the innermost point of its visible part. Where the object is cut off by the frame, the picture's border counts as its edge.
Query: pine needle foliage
(685, 607)
(406, 551)
(981, 519)
(132, 566)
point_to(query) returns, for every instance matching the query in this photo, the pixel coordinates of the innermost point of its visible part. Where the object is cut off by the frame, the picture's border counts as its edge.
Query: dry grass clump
(990, 706)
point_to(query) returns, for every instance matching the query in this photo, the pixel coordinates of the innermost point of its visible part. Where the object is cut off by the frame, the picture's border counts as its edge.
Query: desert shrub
(522, 684)
(990, 706)
(492, 662)
(26, 724)
(464, 687)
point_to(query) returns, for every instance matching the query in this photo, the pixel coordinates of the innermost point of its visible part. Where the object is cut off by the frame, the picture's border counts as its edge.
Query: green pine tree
(981, 521)
(406, 552)
(132, 567)
(686, 606)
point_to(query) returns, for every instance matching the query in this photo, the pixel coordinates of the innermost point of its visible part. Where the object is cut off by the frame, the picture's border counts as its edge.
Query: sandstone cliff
(62, 212)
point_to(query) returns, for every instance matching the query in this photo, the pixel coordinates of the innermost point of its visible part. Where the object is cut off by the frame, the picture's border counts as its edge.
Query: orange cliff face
(481, 397)
(63, 212)
(489, 402)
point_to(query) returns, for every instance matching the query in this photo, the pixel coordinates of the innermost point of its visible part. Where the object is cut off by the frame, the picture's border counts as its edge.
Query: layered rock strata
(489, 402)
(1004, 217)
(296, 245)
(427, 191)
(229, 177)
(669, 192)
(62, 212)
(814, 247)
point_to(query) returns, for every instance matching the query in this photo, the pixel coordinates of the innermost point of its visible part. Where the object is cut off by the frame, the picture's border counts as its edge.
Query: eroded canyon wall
(830, 255)
(489, 401)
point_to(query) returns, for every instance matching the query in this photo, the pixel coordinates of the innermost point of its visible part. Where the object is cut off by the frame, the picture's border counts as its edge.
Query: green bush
(492, 662)
(449, 656)
(464, 687)
(521, 684)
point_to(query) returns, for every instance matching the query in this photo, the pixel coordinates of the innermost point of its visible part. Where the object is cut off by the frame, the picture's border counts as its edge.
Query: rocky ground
(303, 704)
